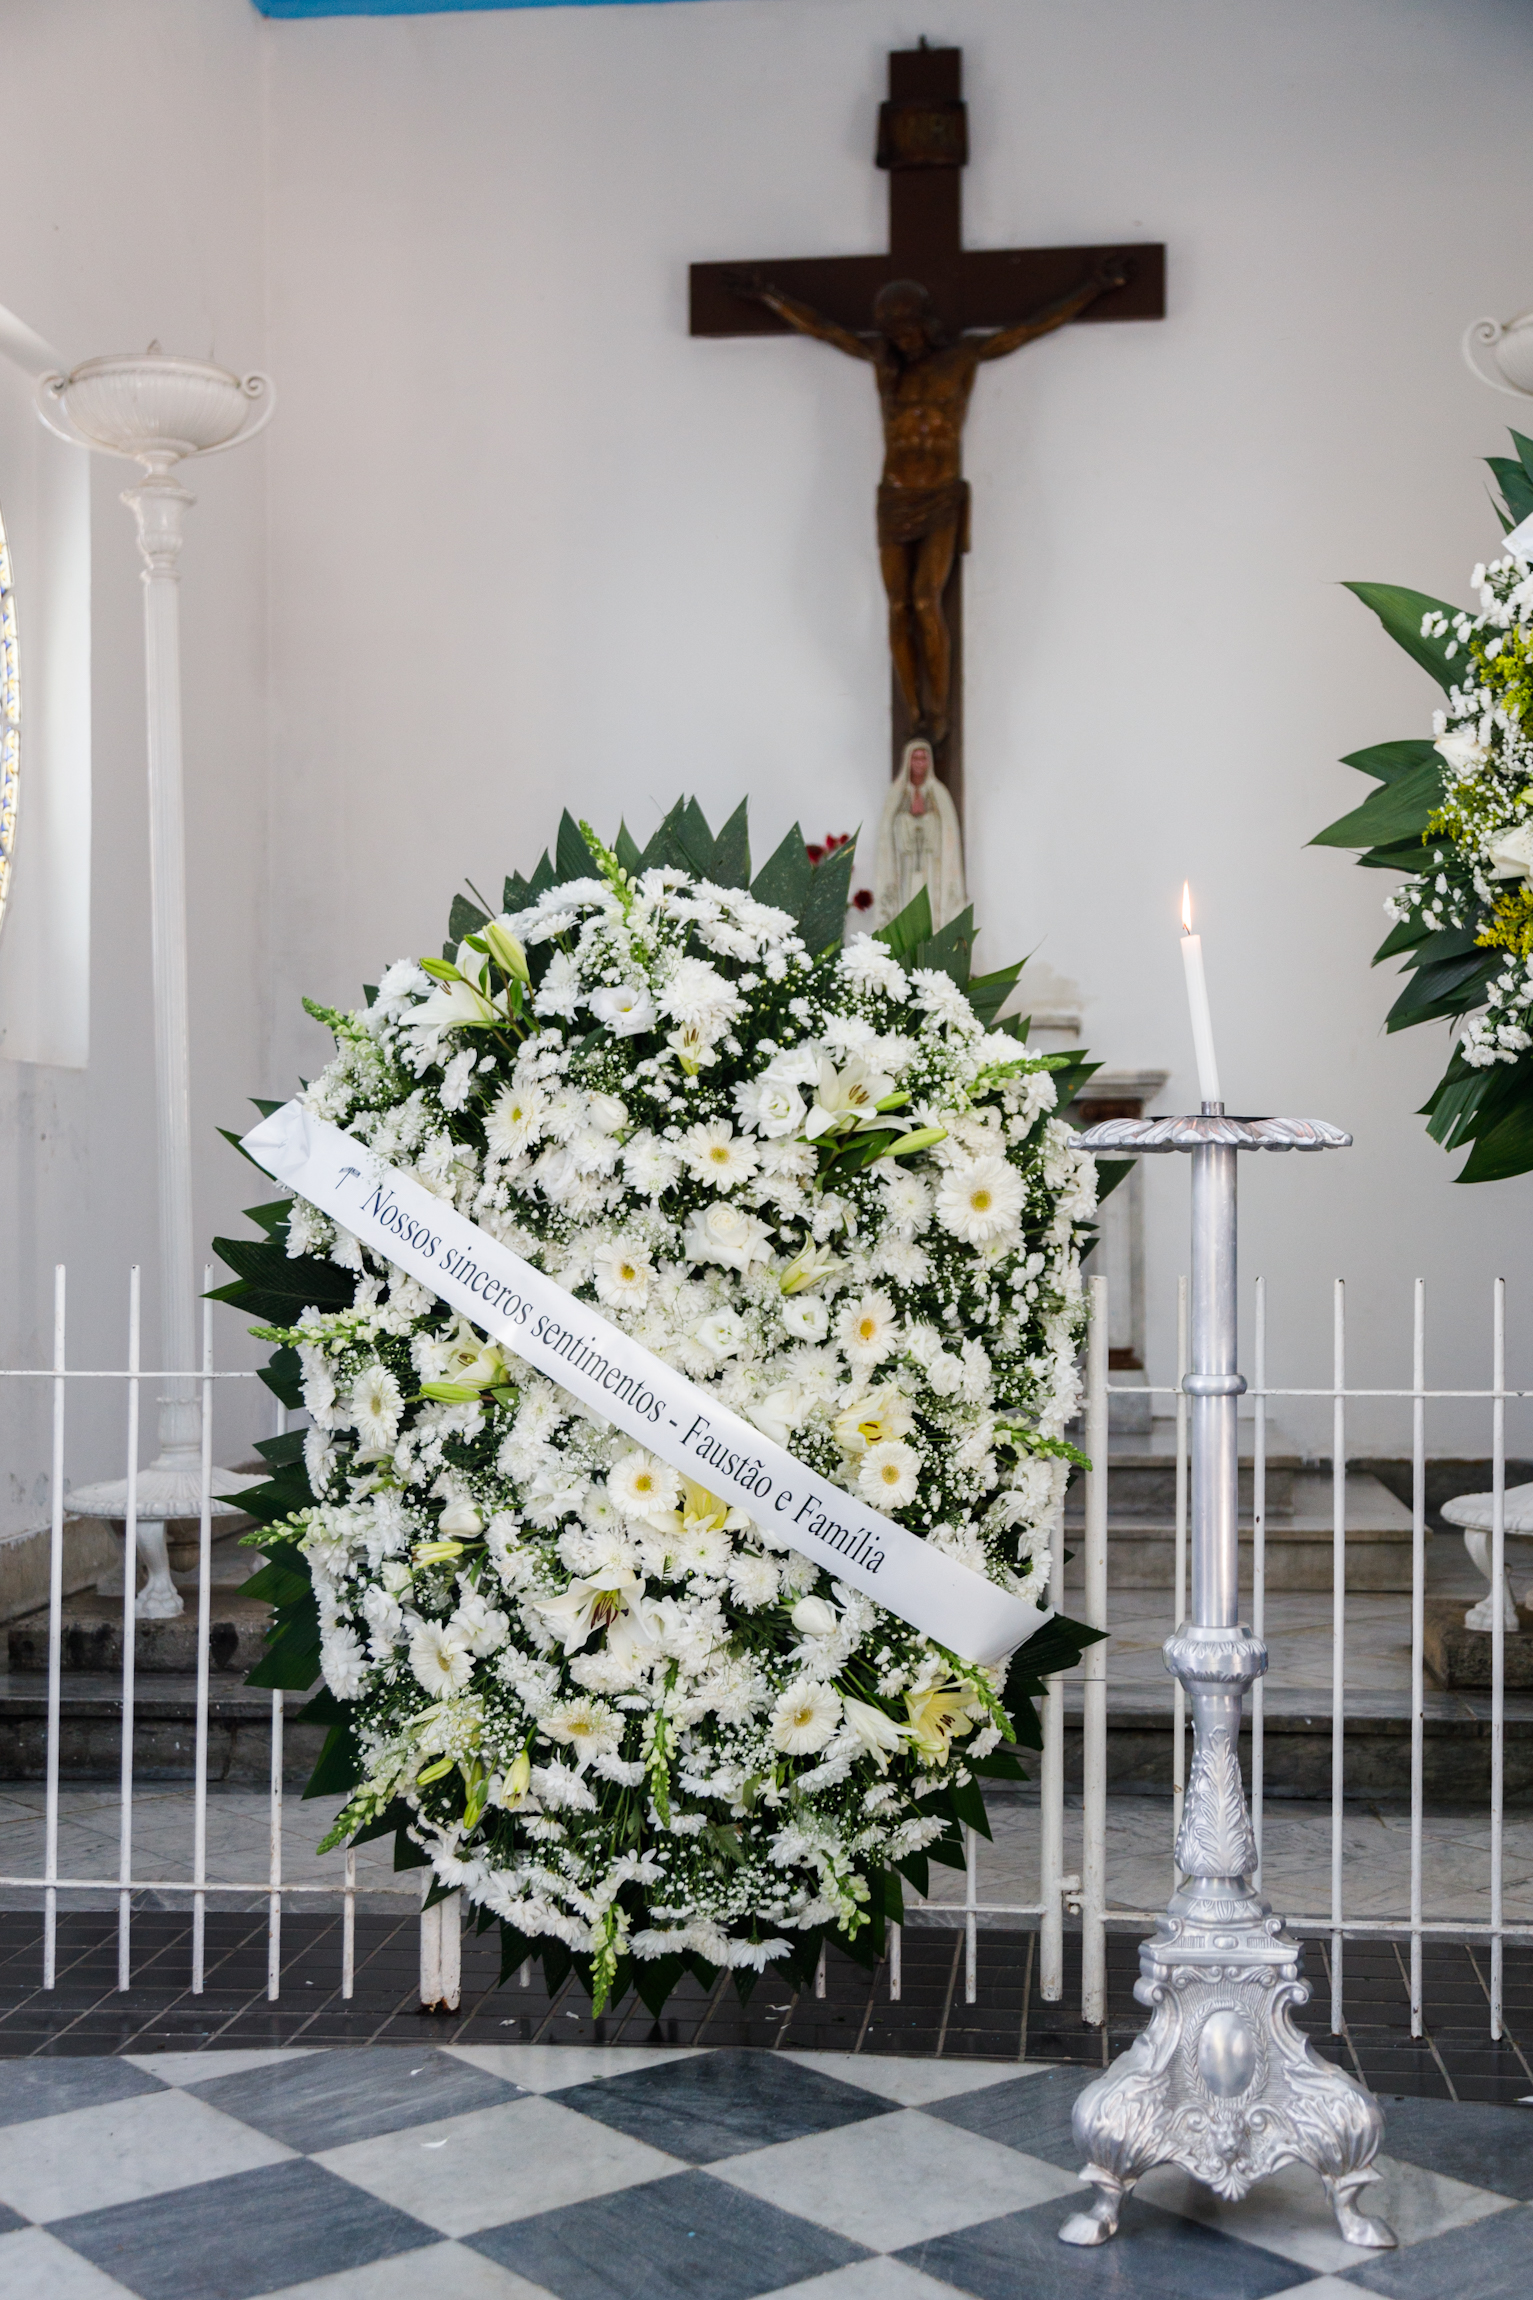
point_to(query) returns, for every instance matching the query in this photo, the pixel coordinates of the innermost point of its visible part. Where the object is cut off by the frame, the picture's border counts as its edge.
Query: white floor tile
(896, 2180)
(1288, 2213)
(913, 2083)
(35, 2266)
(447, 2270)
(1318, 2288)
(877, 2280)
(92, 2157)
(497, 2164)
(202, 2067)
(551, 2067)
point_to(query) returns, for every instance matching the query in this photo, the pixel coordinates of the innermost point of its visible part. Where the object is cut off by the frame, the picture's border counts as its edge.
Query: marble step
(164, 1730)
(91, 1642)
(1141, 1545)
(1142, 1470)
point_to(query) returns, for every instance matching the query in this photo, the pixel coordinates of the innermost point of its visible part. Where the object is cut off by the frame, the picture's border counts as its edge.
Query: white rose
(771, 1106)
(1511, 852)
(726, 1234)
(806, 1317)
(812, 1617)
(625, 1007)
(722, 1334)
(1463, 750)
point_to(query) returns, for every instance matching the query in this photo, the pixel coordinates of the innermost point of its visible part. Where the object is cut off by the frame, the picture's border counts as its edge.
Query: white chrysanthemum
(907, 1201)
(869, 1329)
(587, 1727)
(439, 1658)
(650, 1166)
(559, 993)
(640, 1486)
(940, 995)
(753, 1581)
(712, 1152)
(980, 1200)
(887, 1474)
(697, 993)
(623, 1273)
(871, 965)
(343, 1663)
(804, 1716)
(376, 1405)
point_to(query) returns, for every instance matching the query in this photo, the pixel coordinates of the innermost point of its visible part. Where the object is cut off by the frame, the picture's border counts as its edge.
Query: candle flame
(1186, 908)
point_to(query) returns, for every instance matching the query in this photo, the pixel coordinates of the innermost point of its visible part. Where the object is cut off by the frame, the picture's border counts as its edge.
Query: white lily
(878, 1734)
(611, 1600)
(845, 1100)
(452, 1006)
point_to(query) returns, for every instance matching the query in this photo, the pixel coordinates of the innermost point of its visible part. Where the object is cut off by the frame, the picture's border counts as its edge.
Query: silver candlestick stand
(1221, 2082)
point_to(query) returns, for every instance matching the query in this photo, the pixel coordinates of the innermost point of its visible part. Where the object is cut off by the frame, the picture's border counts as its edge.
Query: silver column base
(1222, 2083)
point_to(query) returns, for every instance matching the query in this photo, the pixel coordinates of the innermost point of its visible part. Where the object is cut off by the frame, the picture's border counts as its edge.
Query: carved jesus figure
(924, 386)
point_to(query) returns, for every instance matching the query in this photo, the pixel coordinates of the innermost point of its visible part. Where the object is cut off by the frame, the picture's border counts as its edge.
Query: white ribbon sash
(571, 1342)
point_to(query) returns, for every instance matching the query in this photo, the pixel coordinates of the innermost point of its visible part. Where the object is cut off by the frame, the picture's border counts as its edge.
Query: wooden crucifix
(925, 316)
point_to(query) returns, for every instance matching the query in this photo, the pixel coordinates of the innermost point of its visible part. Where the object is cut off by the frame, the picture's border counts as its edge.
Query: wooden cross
(923, 143)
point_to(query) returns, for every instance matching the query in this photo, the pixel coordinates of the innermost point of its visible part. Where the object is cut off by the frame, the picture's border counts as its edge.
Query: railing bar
(55, 1639)
(122, 1374)
(1497, 1647)
(1179, 1611)
(349, 1927)
(274, 1828)
(259, 1886)
(819, 1974)
(1338, 1635)
(129, 1651)
(971, 1931)
(1094, 1737)
(896, 1944)
(1167, 1389)
(204, 1624)
(1259, 1573)
(1418, 1632)
(1051, 1800)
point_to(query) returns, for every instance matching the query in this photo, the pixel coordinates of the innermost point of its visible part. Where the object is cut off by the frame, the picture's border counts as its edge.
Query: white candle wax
(1197, 1007)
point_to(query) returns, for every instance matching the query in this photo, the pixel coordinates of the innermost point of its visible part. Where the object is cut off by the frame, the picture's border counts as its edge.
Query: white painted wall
(526, 544)
(134, 174)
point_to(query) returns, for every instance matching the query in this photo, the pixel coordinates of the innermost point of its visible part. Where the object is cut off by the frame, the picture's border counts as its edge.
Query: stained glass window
(10, 730)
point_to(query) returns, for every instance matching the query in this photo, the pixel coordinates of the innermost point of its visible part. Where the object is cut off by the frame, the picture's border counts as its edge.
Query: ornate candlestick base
(1221, 2083)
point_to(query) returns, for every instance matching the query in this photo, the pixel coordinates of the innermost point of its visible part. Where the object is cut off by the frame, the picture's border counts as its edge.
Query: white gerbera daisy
(622, 1272)
(714, 1153)
(376, 1405)
(980, 1200)
(887, 1474)
(440, 1658)
(587, 1727)
(640, 1486)
(868, 1329)
(804, 1716)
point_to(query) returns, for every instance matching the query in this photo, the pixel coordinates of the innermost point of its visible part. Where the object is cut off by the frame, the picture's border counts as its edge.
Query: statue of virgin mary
(919, 843)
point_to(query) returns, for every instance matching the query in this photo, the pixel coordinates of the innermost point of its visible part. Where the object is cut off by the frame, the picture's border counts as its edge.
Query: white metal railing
(1083, 1895)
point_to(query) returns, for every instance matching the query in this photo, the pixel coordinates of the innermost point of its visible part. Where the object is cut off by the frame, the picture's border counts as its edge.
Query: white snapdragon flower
(726, 1234)
(980, 1200)
(623, 1273)
(804, 1716)
(440, 1658)
(712, 1152)
(625, 1007)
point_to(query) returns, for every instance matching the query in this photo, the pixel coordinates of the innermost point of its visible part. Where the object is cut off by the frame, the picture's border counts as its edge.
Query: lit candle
(1197, 1004)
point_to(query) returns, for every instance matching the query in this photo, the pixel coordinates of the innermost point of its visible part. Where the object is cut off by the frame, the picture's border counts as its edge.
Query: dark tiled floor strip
(85, 2013)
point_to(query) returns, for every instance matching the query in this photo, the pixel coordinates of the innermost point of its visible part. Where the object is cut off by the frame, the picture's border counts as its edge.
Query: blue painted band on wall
(431, 7)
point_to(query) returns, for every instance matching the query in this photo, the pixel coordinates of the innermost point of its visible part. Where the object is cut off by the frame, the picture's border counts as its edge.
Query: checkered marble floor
(510, 2172)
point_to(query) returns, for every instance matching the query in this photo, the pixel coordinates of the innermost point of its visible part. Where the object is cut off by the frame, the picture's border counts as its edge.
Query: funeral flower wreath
(1454, 813)
(639, 1731)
